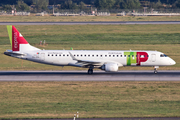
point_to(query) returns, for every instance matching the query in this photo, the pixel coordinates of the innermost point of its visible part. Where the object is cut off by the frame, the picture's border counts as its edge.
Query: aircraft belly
(61, 61)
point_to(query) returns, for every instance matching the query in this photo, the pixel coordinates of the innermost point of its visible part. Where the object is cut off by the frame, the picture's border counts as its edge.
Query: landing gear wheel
(155, 71)
(90, 71)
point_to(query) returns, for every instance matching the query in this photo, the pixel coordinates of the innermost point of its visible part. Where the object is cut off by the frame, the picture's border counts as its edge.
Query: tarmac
(135, 75)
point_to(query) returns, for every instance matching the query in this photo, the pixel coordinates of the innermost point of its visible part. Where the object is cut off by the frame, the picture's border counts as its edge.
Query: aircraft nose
(172, 62)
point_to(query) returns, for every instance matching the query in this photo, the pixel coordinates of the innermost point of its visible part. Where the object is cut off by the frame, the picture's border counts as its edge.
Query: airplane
(107, 60)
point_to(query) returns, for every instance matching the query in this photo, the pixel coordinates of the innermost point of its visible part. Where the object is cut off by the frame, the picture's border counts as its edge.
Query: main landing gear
(155, 69)
(90, 70)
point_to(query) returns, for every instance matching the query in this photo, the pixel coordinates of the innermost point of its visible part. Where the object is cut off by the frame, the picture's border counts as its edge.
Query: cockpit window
(163, 55)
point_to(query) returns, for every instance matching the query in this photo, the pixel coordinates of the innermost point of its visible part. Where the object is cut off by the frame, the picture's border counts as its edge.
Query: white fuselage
(121, 58)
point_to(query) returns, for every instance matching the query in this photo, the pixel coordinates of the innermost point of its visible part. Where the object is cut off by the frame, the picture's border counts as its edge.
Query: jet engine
(110, 67)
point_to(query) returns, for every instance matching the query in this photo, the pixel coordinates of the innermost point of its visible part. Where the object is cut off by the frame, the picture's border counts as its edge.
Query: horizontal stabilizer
(11, 53)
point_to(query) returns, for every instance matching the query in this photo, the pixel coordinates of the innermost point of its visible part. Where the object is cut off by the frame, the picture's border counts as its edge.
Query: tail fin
(18, 42)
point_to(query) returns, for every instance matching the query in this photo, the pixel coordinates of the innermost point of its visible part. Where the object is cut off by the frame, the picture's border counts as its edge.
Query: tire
(90, 71)
(155, 72)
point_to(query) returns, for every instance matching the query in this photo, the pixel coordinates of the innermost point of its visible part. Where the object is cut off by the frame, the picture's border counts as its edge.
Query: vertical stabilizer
(18, 42)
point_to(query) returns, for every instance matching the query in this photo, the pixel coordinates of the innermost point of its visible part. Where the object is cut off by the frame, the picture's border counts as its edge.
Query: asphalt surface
(91, 23)
(83, 76)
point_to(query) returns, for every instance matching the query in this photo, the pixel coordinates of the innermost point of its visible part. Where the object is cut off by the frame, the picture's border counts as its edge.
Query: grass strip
(90, 99)
(33, 18)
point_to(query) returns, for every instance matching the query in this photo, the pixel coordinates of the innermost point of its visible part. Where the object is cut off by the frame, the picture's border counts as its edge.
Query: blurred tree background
(38, 5)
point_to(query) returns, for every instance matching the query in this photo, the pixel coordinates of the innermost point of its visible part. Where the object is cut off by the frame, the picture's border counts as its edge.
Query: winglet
(73, 56)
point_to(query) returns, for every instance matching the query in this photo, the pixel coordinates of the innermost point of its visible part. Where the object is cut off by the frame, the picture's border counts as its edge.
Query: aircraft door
(153, 57)
(42, 56)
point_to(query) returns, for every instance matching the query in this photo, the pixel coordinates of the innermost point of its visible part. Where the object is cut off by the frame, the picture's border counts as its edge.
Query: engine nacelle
(110, 67)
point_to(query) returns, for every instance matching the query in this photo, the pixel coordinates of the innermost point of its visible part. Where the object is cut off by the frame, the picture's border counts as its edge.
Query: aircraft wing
(84, 63)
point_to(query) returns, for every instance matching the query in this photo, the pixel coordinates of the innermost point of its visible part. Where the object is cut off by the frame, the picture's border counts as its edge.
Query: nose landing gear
(155, 69)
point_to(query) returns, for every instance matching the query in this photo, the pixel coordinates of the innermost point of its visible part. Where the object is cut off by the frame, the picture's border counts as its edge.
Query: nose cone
(172, 62)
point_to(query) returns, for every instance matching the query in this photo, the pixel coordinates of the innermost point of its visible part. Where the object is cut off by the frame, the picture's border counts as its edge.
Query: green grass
(101, 34)
(108, 38)
(113, 17)
(164, 38)
(90, 99)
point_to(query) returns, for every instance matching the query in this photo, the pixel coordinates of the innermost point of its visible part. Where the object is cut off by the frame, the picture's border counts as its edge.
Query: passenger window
(81, 55)
(121, 55)
(124, 55)
(85, 55)
(77, 55)
(67, 55)
(105, 55)
(117, 55)
(88, 55)
(63, 55)
(128, 55)
(113, 55)
(101, 55)
(132, 55)
(109, 55)
(59, 55)
(56, 55)
(97, 55)
(48, 54)
(52, 54)
(93, 55)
